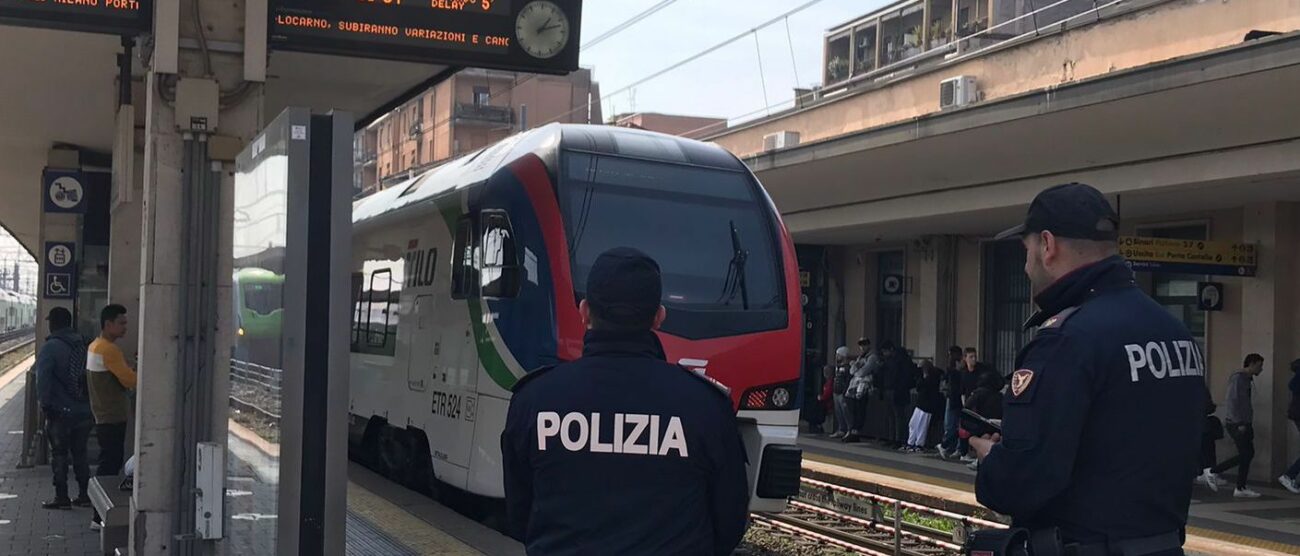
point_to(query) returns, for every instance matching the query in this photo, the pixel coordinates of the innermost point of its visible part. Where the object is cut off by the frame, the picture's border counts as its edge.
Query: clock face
(543, 29)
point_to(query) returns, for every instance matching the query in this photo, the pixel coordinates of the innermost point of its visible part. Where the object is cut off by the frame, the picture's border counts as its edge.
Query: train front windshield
(709, 230)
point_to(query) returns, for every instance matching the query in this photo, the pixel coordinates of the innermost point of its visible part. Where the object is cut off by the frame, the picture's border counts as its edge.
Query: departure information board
(112, 17)
(524, 35)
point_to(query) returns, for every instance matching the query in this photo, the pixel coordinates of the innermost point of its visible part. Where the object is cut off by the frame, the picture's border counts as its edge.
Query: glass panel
(253, 471)
(864, 49)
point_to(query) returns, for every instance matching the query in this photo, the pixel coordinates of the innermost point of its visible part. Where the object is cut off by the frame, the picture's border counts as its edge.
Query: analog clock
(542, 29)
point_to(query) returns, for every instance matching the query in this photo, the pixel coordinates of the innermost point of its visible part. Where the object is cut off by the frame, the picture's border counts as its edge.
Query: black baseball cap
(624, 286)
(1070, 210)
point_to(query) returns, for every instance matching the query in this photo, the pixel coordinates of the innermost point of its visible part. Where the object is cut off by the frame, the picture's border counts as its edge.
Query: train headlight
(774, 396)
(781, 397)
(240, 331)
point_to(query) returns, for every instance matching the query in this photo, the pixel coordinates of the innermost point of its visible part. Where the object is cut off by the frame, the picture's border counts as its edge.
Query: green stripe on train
(488, 355)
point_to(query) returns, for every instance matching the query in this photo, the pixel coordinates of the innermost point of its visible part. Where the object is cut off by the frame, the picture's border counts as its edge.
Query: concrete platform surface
(1219, 524)
(383, 519)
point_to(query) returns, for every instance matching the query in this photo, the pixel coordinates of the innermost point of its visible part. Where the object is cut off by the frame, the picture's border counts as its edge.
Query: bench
(114, 507)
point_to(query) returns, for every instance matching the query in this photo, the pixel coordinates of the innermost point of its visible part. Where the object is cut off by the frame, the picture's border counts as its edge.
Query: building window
(482, 96)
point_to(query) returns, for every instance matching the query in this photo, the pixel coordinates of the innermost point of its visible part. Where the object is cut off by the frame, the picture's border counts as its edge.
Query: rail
(868, 523)
(256, 388)
(15, 340)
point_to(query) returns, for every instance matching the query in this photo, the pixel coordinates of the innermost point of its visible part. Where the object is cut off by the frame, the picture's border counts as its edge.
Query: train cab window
(464, 269)
(500, 276)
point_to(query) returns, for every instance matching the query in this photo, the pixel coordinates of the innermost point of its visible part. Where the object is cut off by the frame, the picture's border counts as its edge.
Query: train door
(420, 364)
(454, 375)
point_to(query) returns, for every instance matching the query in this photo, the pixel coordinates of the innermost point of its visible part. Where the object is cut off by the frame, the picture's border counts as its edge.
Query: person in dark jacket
(1101, 431)
(621, 452)
(65, 401)
(1239, 421)
(1291, 478)
(953, 445)
(986, 400)
(839, 386)
(898, 375)
(1212, 433)
(929, 402)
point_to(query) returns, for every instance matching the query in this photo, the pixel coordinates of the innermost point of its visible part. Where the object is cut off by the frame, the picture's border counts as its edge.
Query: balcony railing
(889, 41)
(364, 158)
(470, 112)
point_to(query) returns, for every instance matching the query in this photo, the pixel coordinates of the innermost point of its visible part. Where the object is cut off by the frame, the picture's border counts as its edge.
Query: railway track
(860, 522)
(13, 341)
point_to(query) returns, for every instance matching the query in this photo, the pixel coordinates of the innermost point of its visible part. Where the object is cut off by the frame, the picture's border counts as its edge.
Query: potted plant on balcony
(837, 68)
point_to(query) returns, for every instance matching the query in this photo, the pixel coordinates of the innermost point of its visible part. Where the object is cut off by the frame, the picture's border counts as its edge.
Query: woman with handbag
(1212, 432)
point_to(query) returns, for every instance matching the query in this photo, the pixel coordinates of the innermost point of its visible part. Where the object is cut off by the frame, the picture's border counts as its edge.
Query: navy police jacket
(622, 453)
(1102, 422)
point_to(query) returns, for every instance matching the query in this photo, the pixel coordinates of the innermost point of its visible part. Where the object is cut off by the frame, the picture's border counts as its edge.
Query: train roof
(477, 166)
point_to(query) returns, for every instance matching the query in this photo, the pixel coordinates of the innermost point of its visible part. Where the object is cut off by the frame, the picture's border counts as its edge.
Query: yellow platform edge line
(1210, 534)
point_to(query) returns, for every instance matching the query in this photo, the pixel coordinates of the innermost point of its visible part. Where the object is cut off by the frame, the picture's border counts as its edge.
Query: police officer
(621, 452)
(1102, 423)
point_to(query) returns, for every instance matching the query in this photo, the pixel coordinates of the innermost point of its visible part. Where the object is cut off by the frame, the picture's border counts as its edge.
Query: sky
(725, 83)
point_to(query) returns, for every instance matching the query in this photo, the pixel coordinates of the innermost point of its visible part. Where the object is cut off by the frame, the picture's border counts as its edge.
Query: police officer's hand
(982, 444)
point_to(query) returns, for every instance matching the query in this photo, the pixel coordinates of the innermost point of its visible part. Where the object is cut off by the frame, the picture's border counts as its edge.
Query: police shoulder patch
(1059, 319)
(530, 376)
(1020, 381)
(720, 387)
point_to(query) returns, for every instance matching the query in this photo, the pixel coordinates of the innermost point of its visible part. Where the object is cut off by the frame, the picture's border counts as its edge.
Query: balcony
(909, 34)
(364, 157)
(485, 114)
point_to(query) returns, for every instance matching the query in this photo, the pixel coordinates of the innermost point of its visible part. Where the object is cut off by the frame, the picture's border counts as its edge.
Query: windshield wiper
(735, 281)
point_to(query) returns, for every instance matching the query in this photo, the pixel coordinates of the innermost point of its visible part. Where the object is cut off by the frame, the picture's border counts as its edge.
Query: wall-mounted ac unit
(780, 140)
(957, 92)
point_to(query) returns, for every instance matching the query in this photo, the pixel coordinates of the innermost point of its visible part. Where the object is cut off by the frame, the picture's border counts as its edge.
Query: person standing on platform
(1238, 420)
(680, 489)
(952, 446)
(929, 402)
(863, 371)
(1291, 479)
(1210, 434)
(1101, 427)
(839, 387)
(110, 380)
(899, 374)
(61, 393)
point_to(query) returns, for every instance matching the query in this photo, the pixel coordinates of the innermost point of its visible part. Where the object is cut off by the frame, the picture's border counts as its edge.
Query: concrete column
(154, 505)
(126, 211)
(1267, 326)
(935, 294)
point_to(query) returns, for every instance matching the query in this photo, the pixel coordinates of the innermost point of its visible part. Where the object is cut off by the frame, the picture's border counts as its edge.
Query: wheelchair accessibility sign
(60, 270)
(64, 191)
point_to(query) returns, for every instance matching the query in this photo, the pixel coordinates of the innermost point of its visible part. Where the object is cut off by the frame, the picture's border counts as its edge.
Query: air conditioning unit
(957, 92)
(780, 140)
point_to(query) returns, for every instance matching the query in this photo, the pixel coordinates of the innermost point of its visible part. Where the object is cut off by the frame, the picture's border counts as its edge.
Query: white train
(17, 311)
(467, 277)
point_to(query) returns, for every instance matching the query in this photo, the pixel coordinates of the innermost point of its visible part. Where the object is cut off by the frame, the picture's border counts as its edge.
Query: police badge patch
(1020, 381)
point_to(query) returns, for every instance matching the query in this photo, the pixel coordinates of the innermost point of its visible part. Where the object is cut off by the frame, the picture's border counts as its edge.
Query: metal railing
(485, 113)
(256, 388)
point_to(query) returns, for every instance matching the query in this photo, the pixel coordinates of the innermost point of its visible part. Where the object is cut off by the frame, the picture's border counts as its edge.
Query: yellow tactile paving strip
(1202, 541)
(412, 531)
(415, 533)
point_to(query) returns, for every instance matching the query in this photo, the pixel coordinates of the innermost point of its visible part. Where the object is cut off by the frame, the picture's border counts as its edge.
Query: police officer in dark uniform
(621, 452)
(1102, 423)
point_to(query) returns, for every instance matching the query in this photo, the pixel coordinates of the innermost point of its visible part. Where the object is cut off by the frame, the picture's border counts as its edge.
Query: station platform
(1219, 524)
(383, 518)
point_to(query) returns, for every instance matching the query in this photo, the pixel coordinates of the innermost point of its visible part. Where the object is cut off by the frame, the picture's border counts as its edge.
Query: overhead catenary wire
(692, 58)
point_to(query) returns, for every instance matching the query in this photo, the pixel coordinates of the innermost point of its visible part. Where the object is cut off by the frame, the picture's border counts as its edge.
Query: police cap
(624, 287)
(1071, 210)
